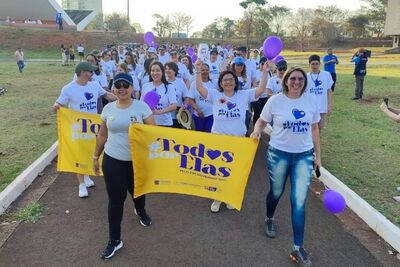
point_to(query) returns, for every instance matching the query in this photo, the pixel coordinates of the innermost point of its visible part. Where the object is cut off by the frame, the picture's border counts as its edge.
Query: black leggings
(257, 108)
(118, 176)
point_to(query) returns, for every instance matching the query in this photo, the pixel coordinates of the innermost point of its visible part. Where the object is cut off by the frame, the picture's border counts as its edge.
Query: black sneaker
(112, 247)
(270, 228)
(301, 257)
(145, 219)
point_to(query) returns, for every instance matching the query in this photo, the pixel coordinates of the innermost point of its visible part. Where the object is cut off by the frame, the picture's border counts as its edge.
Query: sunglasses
(282, 69)
(122, 84)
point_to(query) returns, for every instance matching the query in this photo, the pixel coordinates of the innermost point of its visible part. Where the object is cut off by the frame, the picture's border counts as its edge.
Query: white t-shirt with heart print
(81, 98)
(318, 85)
(292, 121)
(204, 105)
(229, 113)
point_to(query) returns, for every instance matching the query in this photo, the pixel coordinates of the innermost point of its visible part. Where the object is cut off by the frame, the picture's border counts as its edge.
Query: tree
(212, 31)
(301, 25)
(278, 15)
(137, 27)
(221, 28)
(178, 20)
(163, 25)
(97, 23)
(356, 25)
(188, 23)
(116, 22)
(376, 16)
(250, 7)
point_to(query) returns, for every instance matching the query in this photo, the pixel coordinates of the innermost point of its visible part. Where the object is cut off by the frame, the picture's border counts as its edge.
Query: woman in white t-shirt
(187, 61)
(230, 105)
(123, 68)
(293, 142)
(166, 92)
(171, 71)
(117, 161)
(100, 77)
(202, 109)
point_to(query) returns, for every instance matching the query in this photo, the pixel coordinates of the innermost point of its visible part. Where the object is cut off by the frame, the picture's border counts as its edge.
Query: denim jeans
(299, 167)
(21, 65)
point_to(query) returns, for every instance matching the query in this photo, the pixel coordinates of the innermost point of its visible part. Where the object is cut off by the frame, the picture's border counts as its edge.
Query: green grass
(8, 54)
(31, 213)
(360, 145)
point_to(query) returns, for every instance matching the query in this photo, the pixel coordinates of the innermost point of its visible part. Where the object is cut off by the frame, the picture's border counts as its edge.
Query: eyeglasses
(314, 63)
(229, 80)
(122, 84)
(282, 69)
(293, 79)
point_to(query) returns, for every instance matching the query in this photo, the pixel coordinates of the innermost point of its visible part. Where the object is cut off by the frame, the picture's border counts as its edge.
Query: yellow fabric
(189, 162)
(76, 141)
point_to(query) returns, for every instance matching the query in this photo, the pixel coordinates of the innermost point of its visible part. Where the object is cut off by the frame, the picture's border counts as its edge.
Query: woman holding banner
(229, 105)
(293, 142)
(117, 162)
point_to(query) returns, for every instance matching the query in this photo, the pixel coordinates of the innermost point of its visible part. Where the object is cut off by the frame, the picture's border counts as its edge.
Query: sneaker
(229, 207)
(111, 248)
(301, 257)
(270, 228)
(215, 206)
(83, 191)
(88, 182)
(145, 219)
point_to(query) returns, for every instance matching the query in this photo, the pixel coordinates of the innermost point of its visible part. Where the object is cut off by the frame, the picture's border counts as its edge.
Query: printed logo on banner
(204, 161)
(84, 129)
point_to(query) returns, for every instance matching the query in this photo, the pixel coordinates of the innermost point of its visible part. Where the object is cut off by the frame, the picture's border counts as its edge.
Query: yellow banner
(76, 140)
(189, 162)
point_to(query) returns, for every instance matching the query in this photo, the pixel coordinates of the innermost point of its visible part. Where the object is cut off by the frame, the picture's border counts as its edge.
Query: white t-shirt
(229, 113)
(293, 119)
(164, 59)
(251, 69)
(80, 49)
(181, 93)
(214, 69)
(167, 96)
(258, 80)
(183, 72)
(318, 85)
(108, 67)
(244, 85)
(118, 121)
(275, 85)
(81, 98)
(204, 105)
(101, 79)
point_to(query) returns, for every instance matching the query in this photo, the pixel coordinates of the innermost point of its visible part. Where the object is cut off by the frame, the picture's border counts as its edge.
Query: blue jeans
(21, 65)
(299, 167)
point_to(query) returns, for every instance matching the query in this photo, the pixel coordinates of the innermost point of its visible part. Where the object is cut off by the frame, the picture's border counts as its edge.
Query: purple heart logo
(213, 154)
(317, 83)
(88, 96)
(298, 114)
(231, 105)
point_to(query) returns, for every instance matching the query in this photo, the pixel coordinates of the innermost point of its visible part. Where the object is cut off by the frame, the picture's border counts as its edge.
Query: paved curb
(382, 226)
(15, 189)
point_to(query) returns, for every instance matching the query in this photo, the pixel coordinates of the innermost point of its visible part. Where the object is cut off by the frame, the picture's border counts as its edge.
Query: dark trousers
(21, 65)
(203, 124)
(334, 81)
(118, 176)
(257, 108)
(359, 86)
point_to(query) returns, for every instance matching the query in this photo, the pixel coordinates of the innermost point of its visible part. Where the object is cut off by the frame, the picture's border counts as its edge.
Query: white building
(392, 25)
(95, 5)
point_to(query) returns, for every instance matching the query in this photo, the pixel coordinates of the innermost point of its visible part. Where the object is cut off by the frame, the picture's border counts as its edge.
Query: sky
(205, 11)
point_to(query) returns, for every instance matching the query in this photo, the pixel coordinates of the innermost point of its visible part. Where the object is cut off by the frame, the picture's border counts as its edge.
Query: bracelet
(94, 157)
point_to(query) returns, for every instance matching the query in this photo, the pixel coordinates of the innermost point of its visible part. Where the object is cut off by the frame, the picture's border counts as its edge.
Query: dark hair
(163, 77)
(98, 71)
(221, 76)
(244, 72)
(263, 60)
(173, 66)
(314, 58)
(133, 61)
(115, 51)
(208, 67)
(285, 89)
(190, 67)
(146, 66)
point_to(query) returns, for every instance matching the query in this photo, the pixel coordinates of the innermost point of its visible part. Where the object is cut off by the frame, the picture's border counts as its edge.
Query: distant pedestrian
(81, 52)
(330, 61)
(360, 70)
(20, 58)
(72, 55)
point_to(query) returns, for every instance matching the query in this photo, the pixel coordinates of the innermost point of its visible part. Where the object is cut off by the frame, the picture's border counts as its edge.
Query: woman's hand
(255, 135)
(198, 65)
(158, 112)
(96, 167)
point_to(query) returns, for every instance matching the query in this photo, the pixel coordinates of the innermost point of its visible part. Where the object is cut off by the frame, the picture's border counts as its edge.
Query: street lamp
(127, 2)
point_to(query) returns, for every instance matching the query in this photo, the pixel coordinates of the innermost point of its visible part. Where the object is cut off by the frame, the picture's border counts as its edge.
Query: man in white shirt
(163, 55)
(19, 57)
(183, 71)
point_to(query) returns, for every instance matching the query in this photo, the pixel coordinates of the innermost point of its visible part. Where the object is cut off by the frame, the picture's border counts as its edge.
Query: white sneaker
(88, 182)
(83, 191)
(229, 207)
(215, 206)
(397, 199)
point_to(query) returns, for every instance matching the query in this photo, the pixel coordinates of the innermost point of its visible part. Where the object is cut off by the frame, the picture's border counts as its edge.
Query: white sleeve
(266, 114)
(171, 94)
(211, 95)
(191, 92)
(63, 99)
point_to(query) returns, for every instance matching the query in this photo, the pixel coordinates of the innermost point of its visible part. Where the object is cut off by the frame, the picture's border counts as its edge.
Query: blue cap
(238, 60)
(123, 77)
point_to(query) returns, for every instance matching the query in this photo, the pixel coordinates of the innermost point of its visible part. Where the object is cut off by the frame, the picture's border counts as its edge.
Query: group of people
(226, 91)
(68, 54)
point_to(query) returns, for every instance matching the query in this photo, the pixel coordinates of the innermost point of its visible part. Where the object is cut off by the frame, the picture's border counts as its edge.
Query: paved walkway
(184, 231)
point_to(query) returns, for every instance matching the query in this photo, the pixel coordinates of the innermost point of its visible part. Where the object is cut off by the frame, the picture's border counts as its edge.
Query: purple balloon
(148, 37)
(152, 99)
(272, 46)
(278, 58)
(334, 202)
(194, 58)
(190, 51)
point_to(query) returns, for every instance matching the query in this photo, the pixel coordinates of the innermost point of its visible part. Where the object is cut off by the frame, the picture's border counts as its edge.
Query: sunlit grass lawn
(360, 145)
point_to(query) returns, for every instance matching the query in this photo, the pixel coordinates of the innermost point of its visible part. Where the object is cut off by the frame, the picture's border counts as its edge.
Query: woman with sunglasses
(171, 70)
(123, 68)
(166, 92)
(115, 56)
(274, 85)
(230, 105)
(293, 151)
(117, 162)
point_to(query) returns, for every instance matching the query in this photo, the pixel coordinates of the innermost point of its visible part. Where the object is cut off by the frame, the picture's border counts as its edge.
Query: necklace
(316, 81)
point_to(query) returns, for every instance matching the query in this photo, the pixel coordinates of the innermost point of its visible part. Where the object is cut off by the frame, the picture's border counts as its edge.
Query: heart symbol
(298, 114)
(88, 96)
(231, 105)
(214, 67)
(318, 83)
(213, 154)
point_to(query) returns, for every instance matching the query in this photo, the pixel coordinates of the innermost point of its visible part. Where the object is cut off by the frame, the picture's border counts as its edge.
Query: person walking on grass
(117, 167)
(360, 60)
(20, 58)
(75, 96)
(330, 60)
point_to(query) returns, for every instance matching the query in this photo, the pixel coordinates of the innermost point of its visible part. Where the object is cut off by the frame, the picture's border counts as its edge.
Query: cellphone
(317, 172)
(386, 100)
